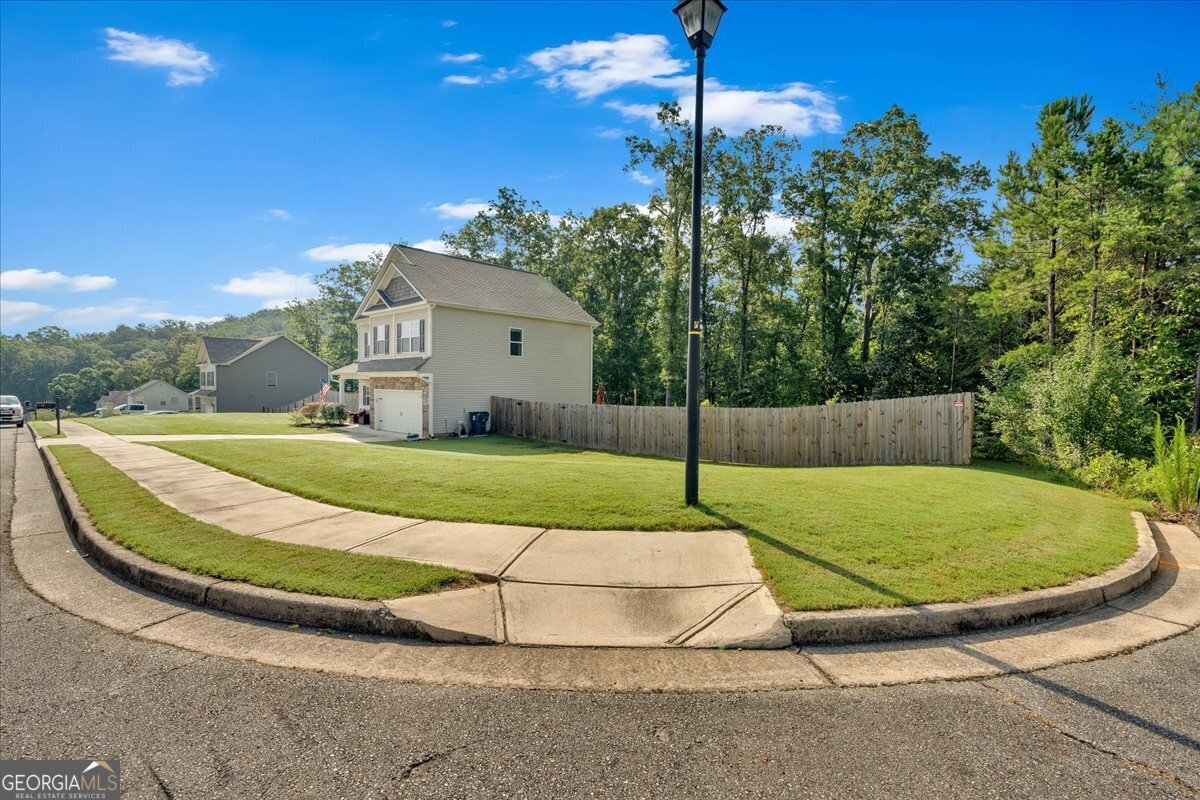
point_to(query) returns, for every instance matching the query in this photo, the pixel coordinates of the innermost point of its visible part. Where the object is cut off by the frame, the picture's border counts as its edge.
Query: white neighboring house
(155, 395)
(439, 335)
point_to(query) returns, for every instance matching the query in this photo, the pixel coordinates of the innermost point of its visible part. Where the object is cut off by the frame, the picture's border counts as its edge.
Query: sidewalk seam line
(679, 639)
(507, 565)
(382, 535)
(334, 515)
(136, 631)
(818, 668)
(1148, 616)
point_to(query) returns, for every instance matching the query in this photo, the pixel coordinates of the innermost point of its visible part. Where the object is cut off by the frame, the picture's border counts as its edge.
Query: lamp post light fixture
(700, 19)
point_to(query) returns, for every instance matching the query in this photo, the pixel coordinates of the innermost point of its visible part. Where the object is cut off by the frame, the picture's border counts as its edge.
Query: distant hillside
(267, 322)
(82, 367)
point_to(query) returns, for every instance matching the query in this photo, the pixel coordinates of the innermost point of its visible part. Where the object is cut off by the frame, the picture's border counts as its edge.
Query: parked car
(130, 408)
(11, 410)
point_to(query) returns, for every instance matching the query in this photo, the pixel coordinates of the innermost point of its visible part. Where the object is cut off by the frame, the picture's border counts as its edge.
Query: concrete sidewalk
(548, 587)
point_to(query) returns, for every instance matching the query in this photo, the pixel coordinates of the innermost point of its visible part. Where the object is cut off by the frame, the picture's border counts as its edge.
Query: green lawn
(132, 516)
(825, 538)
(244, 423)
(45, 430)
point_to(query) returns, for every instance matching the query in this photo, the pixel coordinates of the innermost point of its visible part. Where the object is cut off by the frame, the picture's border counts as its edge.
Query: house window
(382, 342)
(516, 342)
(272, 379)
(412, 336)
(208, 379)
(163, 401)
(366, 396)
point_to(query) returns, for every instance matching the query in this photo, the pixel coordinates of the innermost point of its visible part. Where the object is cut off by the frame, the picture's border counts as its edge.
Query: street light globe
(700, 19)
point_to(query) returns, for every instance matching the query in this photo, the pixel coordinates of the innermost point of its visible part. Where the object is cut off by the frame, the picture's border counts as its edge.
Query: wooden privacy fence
(908, 430)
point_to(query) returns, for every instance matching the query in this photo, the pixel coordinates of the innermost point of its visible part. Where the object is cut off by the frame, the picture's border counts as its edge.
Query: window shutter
(387, 338)
(421, 334)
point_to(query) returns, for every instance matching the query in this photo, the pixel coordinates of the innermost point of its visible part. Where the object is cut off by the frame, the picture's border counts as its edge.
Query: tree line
(1065, 288)
(880, 268)
(81, 368)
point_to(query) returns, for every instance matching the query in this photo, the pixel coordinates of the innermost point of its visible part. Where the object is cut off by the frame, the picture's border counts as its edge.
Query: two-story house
(439, 335)
(269, 374)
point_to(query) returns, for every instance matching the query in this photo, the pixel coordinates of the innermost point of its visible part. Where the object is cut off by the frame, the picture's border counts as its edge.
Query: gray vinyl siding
(242, 385)
(470, 362)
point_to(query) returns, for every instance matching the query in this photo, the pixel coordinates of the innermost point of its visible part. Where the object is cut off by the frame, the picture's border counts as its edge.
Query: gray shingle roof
(222, 350)
(489, 287)
(411, 364)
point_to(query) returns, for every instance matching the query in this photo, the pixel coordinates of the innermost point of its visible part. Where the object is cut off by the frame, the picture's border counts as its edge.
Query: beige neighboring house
(439, 335)
(155, 395)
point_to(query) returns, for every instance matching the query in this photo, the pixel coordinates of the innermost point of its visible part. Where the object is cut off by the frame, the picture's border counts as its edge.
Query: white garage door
(398, 410)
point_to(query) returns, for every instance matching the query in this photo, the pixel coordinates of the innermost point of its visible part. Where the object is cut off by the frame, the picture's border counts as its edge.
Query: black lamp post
(700, 19)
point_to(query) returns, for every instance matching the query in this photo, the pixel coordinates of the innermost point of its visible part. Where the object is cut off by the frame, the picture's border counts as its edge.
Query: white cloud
(14, 312)
(778, 224)
(345, 252)
(461, 58)
(464, 210)
(593, 68)
(128, 310)
(436, 245)
(612, 133)
(279, 214)
(641, 177)
(449, 23)
(185, 65)
(463, 80)
(271, 283)
(18, 279)
(194, 319)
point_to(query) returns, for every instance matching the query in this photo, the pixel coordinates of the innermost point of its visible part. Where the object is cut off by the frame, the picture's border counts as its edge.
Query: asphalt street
(191, 726)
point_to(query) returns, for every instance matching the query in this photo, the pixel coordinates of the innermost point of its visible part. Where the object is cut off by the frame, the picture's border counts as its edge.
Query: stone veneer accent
(411, 384)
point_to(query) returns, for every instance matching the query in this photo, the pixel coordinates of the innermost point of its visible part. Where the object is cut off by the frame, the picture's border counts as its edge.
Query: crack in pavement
(1054, 726)
(412, 766)
(162, 785)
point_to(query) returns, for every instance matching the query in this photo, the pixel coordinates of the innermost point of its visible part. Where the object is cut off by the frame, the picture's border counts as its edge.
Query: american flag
(324, 390)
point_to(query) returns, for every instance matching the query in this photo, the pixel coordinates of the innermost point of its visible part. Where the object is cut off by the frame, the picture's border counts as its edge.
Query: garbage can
(478, 421)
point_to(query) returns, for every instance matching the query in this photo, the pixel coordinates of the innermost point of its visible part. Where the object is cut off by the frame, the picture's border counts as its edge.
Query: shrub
(1176, 467)
(1066, 412)
(1113, 472)
(334, 413)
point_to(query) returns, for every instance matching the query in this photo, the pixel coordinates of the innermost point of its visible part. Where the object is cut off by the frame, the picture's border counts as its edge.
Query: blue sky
(194, 160)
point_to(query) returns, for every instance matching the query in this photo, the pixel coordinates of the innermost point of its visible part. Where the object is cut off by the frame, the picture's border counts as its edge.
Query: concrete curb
(853, 626)
(232, 597)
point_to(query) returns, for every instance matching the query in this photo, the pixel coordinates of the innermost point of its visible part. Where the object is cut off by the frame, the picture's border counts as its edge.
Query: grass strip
(244, 423)
(133, 517)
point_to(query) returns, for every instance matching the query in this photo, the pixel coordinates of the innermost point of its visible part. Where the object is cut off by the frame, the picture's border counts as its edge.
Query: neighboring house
(156, 395)
(269, 374)
(438, 335)
(113, 398)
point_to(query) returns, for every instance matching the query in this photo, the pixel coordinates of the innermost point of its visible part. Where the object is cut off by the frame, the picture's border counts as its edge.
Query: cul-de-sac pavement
(188, 723)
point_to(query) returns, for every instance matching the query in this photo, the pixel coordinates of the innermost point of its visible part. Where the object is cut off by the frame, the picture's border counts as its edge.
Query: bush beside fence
(909, 430)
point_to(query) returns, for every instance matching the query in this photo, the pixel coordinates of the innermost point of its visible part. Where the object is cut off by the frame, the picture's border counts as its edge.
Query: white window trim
(271, 372)
(511, 343)
(421, 337)
(381, 345)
